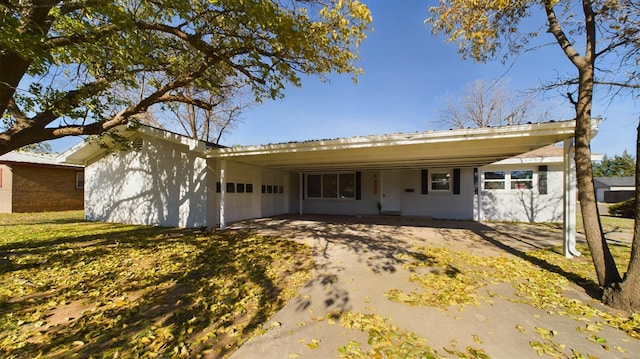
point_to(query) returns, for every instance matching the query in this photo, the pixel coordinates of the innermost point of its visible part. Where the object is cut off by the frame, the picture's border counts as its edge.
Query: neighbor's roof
(32, 158)
(461, 148)
(606, 182)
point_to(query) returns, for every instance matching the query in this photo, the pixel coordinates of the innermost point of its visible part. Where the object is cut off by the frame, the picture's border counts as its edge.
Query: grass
(456, 279)
(610, 224)
(75, 288)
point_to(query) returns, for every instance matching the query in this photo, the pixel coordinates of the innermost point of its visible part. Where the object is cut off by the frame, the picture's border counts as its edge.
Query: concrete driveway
(358, 260)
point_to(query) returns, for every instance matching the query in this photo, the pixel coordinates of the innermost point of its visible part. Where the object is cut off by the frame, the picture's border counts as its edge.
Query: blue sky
(407, 72)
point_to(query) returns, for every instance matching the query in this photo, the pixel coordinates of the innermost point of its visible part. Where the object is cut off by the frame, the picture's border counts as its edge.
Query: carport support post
(569, 199)
(480, 185)
(223, 192)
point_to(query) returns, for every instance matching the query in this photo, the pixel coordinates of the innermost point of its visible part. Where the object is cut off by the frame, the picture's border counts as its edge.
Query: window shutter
(456, 181)
(425, 182)
(358, 185)
(542, 179)
(304, 190)
(475, 180)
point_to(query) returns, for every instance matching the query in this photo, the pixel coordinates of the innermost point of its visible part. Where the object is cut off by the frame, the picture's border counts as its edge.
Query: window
(347, 187)
(514, 180)
(314, 183)
(494, 180)
(249, 188)
(240, 187)
(79, 180)
(231, 187)
(440, 181)
(331, 185)
(521, 179)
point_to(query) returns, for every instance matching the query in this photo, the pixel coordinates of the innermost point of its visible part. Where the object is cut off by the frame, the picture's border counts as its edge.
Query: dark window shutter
(358, 185)
(425, 182)
(475, 181)
(456, 181)
(542, 180)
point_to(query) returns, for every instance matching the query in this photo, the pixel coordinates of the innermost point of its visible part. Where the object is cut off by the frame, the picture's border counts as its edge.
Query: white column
(480, 189)
(301, 195)
(569, 199)
(223, 192)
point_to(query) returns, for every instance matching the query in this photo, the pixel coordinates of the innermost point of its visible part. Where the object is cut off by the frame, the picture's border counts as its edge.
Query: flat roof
(461, 148)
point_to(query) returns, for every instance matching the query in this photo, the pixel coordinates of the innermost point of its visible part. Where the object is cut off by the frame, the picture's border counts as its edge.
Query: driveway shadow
(383, 243)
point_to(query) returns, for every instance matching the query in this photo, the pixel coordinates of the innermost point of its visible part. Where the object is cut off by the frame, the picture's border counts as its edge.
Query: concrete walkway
(357, 260)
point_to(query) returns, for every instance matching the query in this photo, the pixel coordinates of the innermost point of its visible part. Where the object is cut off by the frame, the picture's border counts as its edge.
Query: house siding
(42, 188)
(368, 204)
(525, 205)
(160, 184)
(444, 205)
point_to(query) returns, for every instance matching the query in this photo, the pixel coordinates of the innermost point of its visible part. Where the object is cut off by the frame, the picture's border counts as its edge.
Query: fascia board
(565, 128)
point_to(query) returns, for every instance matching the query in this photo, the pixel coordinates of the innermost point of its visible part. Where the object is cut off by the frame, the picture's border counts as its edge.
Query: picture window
(331, 185)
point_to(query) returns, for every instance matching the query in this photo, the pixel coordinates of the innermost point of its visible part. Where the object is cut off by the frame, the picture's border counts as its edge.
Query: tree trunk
(626, 295)
(603, 261)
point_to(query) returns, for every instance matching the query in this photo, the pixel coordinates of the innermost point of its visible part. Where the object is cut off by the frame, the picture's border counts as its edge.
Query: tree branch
(206, 105)
(556, 30)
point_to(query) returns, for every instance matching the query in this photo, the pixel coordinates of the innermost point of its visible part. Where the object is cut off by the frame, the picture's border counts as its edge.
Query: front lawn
(70, 287)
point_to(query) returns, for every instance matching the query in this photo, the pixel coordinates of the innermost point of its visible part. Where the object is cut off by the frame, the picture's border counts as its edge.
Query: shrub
(626, 209)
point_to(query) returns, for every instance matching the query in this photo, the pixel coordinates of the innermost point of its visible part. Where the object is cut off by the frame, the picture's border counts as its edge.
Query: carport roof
(460, 148)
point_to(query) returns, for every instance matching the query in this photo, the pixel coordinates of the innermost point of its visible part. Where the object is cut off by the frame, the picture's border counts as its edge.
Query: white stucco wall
(162, 184)
(445, 205)
(370, 191)
(441, 205)
(525, 205)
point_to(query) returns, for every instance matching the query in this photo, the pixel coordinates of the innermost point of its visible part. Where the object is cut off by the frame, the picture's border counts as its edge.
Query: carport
(462, 148)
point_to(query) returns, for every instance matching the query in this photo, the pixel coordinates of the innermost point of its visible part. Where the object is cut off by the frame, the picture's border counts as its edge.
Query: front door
(391, 192)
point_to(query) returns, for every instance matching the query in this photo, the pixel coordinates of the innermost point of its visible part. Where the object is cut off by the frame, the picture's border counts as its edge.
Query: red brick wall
(39, 189)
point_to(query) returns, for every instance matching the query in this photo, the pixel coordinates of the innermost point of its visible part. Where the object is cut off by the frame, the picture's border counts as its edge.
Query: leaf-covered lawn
(450, 278)
(70, 287)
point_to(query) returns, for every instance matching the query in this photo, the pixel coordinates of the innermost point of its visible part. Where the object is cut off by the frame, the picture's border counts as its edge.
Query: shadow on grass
(140, 290)
(590, 287)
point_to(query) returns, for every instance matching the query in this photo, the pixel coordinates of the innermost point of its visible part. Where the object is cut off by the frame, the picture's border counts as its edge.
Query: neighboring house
(172, 180)
(32, 182)
(614, 189)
